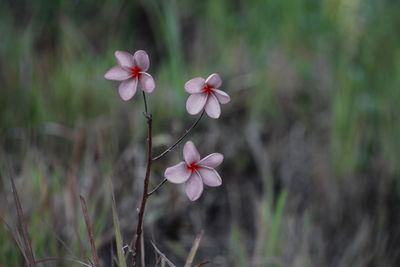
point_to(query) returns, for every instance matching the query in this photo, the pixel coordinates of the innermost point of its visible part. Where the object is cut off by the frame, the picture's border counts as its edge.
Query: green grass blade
(274, 233)
(118, 236)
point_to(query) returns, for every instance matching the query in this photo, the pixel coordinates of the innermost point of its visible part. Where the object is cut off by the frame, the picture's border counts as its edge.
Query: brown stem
(146, 183)
(172, 147)
(201, 263)
(157, 187)
(180, 139)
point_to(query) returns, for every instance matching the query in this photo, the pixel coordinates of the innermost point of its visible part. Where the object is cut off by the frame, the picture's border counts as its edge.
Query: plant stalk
(180, 139)
(146, 182)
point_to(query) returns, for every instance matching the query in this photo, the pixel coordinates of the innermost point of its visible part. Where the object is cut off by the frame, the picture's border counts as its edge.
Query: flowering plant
(131, 71)
(204, 96)
(194, 172)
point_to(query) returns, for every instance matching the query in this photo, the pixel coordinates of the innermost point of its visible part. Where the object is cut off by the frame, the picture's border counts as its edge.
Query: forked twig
(149, 161)
(172, 147)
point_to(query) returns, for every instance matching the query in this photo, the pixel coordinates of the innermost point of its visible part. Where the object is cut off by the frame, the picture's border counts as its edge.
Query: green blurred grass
(280, 60)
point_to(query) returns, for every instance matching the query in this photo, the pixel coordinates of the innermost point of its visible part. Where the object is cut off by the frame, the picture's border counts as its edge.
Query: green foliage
(118, 236)
(238, 247)
(282, 60)
(275, 217)
(9, 254)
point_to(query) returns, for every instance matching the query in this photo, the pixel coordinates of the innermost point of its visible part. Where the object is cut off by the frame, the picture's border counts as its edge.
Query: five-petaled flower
(194, 172)
(204, 94)
(131, 71)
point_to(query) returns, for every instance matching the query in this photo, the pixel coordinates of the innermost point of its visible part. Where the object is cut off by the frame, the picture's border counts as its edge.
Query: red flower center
(208, 89)
(135, 72)
(192, 167)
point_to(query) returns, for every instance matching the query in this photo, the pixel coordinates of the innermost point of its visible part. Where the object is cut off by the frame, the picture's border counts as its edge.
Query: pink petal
(195, 103)
(222, 97)
(124, 59)
(178, 173)
(210, 176)
(212, 160)
(142, 60)
(147, 82)
(117, 73)
(190, 153)
(212, 107)
(194, 187)
(214, 80)
(195, 85)
(127, 89)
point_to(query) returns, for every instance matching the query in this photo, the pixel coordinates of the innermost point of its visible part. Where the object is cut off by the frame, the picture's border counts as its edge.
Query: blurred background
(311, 137)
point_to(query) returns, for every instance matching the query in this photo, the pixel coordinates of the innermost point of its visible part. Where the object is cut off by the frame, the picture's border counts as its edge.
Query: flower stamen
(208, 89)
(192, 167)
(135, 72)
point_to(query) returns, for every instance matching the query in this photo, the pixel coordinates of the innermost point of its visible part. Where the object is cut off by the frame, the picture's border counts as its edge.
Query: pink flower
(131, 71)
(194, 172)
(204, 94)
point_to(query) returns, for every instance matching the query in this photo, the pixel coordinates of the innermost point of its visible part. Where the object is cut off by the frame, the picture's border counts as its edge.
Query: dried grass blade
(16, 239)
(62, 259)
(162, 255)
(90, 232)
(22, 224)
(193, 250)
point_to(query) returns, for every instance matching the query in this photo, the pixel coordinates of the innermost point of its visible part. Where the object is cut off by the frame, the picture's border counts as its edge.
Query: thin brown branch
(157, 187)
(146, 183)
(180, 139)
(201, 263)
(90, 232)
(145, 103)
